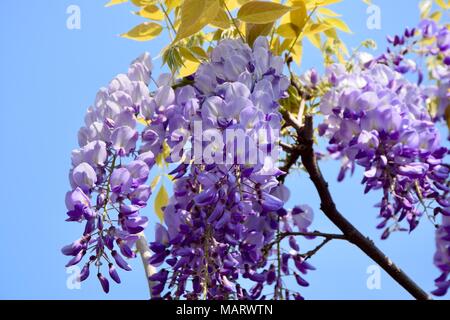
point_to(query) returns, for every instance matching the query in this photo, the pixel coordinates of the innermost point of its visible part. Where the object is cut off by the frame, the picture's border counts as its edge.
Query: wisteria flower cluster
(227, 206)
(427, 42)
(108, 175)
(442, 257)
(377, 119)
(222, 218)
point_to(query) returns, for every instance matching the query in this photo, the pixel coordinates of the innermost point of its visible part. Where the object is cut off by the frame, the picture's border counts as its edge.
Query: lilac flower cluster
(108, 175)
(428, 42)
(222, 217)
(377, 119)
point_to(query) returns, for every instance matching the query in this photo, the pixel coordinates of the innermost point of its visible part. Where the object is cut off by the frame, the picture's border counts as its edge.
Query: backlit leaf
(317, 28)
(151, 12)
(320, 3)
(221, 20)
(315, 40)
(253, 31)
(262, 12)
(288, 30)
(443, 4)
(144, 32)
(195, 15)
(447, 116)
(161, 200)
(328, 12)
(188, 68)
(338, 24)
(143, 3)
(172, 4)
(293, 24)
(114, 2)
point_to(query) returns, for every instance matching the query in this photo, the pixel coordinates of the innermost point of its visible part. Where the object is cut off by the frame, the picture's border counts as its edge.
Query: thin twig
(233, 21)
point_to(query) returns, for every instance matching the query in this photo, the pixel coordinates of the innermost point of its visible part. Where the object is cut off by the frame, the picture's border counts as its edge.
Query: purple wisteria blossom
(223, 215)
(377, 119)
(109, 175)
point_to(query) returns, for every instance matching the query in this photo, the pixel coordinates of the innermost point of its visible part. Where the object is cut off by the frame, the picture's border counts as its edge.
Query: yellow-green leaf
(328, 12)
(172, 4)
(320, 3)
(447, 116)
(315, 40)
(114, 2)
(161, 200)
(331, 33)
(187, 54)
(297, 53)
(151, 12)
(143, 3)
(295, 21)
(234, 4)
(436, 16)
(199, 52)
(221, 20)
(253, 31)
(443, 5)
(338, 24)
(188, 68)
(196, 14)
(155, 182)
(288, 30)
(425, 8)
(144, 32)
(317, 28)
(262, 12)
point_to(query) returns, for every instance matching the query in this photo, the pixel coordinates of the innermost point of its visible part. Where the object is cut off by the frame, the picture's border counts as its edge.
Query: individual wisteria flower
(220, 223)
(377, 119)
(109, 175)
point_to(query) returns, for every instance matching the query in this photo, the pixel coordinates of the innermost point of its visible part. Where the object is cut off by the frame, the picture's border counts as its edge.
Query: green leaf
(262, 12)
(143, 32)
(114, 2)
(161, 200)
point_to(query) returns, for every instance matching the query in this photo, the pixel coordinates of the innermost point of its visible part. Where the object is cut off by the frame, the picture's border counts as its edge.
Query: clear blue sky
(49, 75)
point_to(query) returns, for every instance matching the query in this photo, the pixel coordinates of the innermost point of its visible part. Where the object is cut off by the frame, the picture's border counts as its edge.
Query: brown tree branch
(305, 150)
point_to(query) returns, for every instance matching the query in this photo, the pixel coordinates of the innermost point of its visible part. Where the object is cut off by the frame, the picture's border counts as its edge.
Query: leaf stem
(233, 21)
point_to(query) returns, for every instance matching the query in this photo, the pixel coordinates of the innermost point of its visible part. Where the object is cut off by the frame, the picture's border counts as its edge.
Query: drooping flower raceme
(442, 256)
(108, 175)
(227, 206)
(429, 43)
(377, 119)
(227, 203)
